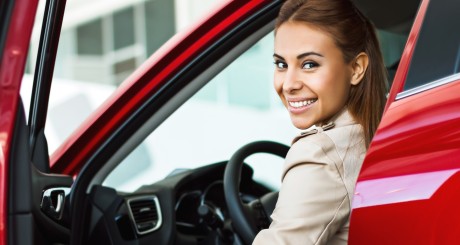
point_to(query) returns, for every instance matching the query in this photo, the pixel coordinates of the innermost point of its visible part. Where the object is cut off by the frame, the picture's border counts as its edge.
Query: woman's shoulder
(311, 148)
(328, 137)
(328, 145)
(341, 132)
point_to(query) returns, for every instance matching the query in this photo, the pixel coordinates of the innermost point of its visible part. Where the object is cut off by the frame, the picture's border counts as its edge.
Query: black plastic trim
(157, 222)
(428, 86)
(6, 10)
(20, 219)
(49, 40)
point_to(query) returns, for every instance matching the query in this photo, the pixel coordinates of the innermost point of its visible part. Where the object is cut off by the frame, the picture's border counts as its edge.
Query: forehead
(293, 38)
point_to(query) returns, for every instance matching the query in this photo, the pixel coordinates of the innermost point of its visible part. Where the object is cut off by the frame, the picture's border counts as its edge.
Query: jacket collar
(343, 118)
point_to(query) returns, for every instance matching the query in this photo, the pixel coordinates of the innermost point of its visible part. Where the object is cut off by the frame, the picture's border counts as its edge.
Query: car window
(236, 107)
(437, 52)
(392, 45)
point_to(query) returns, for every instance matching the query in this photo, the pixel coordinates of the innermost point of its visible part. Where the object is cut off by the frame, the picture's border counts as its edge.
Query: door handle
(53, 201)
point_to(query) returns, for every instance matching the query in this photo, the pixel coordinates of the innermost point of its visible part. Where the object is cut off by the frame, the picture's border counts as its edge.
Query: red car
(112, 180)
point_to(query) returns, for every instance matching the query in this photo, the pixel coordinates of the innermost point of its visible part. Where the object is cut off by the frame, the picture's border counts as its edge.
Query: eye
(309, 65)
(280, 65)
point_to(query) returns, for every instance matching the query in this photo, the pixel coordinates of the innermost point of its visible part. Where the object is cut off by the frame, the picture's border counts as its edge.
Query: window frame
(420, 85)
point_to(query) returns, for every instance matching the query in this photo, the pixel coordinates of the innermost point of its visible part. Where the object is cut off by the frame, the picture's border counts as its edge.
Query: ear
(359, 66)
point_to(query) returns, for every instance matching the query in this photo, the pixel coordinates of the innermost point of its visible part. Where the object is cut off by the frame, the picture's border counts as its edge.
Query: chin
(301, 124)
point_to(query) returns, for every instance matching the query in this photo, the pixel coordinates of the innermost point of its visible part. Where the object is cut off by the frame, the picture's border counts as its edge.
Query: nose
(292, 81)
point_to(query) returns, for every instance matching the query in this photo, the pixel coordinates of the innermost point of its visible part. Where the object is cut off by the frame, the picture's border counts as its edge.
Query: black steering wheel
(249, 219)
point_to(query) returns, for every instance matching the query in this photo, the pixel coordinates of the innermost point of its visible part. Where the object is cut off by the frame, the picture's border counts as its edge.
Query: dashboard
(187, 207)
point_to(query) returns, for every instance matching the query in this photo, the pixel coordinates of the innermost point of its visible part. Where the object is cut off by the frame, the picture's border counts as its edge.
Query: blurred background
(103, 41)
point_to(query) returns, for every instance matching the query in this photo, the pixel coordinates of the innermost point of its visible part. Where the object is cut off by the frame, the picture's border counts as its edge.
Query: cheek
(278, 84)
(336, 90)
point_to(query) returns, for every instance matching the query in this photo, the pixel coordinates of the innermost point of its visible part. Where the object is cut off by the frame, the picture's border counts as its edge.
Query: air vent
(145, 213)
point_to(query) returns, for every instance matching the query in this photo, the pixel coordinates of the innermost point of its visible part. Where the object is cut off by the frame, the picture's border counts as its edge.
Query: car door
(34, 198)
(15, 198)
(31, 174)
(147, 98)
(407, 191)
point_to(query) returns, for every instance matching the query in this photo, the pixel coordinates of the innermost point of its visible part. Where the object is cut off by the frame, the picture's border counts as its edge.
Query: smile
(298, 104)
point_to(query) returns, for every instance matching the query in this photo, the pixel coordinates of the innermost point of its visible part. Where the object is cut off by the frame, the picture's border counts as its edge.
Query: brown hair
(353, 33)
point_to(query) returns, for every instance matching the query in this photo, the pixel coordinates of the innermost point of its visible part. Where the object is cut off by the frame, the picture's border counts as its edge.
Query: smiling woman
(204, 94)
(313, 80)
(330, 76)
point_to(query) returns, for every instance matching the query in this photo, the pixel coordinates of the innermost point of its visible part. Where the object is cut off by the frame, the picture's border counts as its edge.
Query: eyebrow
(300, 56)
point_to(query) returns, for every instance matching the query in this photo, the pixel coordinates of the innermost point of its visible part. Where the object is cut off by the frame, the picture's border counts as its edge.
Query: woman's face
(311, 76)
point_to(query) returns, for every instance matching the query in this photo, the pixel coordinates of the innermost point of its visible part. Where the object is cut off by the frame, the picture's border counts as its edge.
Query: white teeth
(298, 104)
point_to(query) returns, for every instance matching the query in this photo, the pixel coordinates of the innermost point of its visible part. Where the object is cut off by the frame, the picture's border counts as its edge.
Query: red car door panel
(407, 191)
(410, 181)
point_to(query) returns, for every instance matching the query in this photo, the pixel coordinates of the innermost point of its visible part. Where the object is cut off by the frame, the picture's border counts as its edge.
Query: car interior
(212, 201)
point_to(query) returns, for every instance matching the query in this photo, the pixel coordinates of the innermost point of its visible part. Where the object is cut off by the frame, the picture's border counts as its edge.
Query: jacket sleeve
(313, 201)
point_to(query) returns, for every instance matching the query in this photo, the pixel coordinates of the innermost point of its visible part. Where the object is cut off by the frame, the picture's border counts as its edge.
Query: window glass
(437, 52)
(123, 28)
(392, 45)
(237, 107)
(251, 74)
(89, 38)
(160, 23)
(123, 69)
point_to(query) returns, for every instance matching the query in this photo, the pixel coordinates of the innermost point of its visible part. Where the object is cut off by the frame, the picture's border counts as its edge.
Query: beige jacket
(318, 181)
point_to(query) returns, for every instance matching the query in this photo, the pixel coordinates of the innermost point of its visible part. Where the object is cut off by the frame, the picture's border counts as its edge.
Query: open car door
(407, 191)
(38, 195)
(33, 201)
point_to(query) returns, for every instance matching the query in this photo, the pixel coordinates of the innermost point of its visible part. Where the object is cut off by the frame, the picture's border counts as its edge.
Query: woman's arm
(313, 201)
